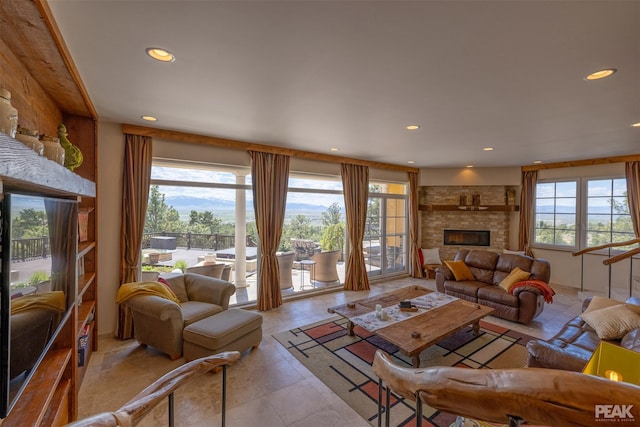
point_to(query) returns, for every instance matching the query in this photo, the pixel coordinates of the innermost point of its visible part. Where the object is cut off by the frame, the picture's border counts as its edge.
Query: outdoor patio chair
(325, 269)
(214, 270)
(285, 264)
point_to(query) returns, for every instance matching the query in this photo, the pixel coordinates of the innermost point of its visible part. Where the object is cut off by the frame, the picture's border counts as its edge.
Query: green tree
(29, 223)
(300, 227)
(160, 216)
(333, 230)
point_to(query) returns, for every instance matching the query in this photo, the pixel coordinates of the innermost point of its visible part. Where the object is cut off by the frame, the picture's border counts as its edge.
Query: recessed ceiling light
(160, 54)
(488, 149)
(149, 118)
(601, 74)
(537, 161)
(411, 162)
(413, 127)
(469, 166)
(636, 125)
(333, 149)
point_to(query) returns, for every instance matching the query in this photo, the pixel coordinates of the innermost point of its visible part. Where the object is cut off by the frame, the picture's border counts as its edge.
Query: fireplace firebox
(467, 237)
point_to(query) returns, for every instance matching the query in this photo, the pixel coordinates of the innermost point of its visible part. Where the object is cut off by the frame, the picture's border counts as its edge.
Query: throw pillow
(516, 275)
(460, 270)
(431, 256)
(164, 282)
(598, 303)
(612, 322)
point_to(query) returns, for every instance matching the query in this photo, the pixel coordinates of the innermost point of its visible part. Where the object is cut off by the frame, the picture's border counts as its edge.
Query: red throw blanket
(545, 289)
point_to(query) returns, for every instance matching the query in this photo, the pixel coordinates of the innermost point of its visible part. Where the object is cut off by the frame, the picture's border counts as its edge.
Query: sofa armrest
(531, 289)
(209, 289)
(545, 355)
(442, 274)
(155, 306)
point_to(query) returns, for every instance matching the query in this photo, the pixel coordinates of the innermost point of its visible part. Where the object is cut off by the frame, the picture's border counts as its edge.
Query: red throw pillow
(164, 282)
(421, 256)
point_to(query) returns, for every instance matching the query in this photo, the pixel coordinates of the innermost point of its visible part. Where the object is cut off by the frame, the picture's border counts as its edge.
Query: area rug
(343, 363)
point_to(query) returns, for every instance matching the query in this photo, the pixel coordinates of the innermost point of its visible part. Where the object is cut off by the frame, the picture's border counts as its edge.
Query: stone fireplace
(482, 226)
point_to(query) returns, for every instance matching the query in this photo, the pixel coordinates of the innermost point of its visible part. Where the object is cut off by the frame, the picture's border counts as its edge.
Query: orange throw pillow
(460, 270)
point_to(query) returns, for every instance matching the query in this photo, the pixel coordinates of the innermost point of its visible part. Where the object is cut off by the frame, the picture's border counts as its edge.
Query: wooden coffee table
(419, 332)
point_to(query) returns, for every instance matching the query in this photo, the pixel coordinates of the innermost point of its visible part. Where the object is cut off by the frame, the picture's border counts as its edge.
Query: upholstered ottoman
(230, 330)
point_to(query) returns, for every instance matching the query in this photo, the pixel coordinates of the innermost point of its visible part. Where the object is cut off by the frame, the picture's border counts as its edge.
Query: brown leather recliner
(572, 347)
(489, 269)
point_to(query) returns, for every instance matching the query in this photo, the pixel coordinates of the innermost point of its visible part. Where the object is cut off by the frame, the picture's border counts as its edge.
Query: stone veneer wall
(433, 223)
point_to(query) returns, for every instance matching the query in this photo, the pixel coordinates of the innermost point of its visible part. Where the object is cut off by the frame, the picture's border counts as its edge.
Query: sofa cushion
(192, 311)
(514, 277)
(468, 287)
(612, 322)
(631, 341)
(497, 295)
(460, 270)
(176, 281)
(482, 264)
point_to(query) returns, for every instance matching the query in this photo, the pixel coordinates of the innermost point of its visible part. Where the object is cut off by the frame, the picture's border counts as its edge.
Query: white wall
(109, 183)
(470, 176)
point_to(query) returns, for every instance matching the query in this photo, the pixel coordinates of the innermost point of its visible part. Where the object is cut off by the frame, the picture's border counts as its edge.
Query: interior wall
(470, 176)
(110, 163)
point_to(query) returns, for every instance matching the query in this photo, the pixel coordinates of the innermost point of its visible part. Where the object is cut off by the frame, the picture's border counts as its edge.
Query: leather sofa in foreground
(572, 347)
(489, 269)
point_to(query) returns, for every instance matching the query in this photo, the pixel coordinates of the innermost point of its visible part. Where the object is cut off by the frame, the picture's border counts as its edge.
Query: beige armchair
(325, 269)
(285, 264)
(159, 322)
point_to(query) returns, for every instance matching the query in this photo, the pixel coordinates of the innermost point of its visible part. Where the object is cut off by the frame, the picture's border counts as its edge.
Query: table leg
(415, 360)
(350, 328)
(476, 328)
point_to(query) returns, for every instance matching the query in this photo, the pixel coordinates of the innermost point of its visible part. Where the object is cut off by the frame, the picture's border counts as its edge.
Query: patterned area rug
(343, 363)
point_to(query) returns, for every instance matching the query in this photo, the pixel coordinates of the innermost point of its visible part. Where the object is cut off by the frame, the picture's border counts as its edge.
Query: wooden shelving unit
(468, 208)
(46, 95)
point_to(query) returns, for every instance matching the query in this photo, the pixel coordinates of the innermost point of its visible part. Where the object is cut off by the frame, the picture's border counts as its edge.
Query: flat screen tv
(38, 284)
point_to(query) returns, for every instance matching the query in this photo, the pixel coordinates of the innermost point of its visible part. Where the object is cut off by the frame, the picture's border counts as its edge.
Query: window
(385, 234)
(556, 213)
(598, 203)
(608, 218)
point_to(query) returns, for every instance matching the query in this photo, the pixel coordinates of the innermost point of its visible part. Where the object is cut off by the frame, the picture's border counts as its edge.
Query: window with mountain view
(556, 213)
(202, 214)
(600, 204)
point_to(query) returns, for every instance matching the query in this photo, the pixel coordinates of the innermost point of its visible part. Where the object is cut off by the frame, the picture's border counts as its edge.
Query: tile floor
(268, 387)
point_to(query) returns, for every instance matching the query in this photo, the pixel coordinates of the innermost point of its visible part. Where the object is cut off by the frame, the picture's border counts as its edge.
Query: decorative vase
(8, 114)
(73, 156)
(30, 138)
(52, 149)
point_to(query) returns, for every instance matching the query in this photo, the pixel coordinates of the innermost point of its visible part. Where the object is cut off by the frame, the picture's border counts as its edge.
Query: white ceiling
(352, 74)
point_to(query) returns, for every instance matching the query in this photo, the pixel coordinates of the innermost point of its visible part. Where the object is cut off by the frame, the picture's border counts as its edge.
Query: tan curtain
(135, 195)
(414, 226)
(270, 176)
(355, 182)
(632, 172)
(527, 215)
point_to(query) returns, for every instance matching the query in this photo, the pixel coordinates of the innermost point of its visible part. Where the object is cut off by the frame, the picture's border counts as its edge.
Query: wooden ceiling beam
(586, 162)
(191, 138)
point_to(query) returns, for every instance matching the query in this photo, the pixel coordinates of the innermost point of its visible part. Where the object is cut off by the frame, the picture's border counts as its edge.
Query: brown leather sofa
(489, 269)
(571, 348)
